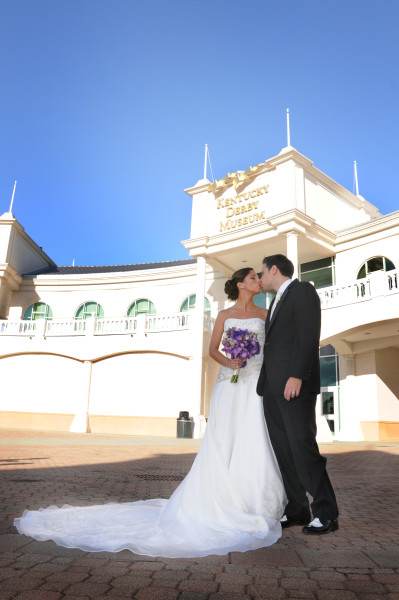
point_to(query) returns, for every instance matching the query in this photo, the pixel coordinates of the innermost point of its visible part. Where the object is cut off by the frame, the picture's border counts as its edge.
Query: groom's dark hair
(283, 264)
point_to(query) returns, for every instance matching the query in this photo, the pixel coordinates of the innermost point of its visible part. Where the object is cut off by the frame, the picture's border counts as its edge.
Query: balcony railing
(23, 328)
(377, 284)
(146, 324)
(380, 283)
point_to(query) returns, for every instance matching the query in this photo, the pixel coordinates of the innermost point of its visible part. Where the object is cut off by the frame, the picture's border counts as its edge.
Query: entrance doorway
(328, 406)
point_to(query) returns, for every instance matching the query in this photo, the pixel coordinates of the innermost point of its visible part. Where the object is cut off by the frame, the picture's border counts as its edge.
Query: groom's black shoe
(317, 527)
(289, 521)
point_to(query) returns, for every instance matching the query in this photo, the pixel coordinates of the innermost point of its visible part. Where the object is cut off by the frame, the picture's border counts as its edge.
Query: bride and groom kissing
(258, 460)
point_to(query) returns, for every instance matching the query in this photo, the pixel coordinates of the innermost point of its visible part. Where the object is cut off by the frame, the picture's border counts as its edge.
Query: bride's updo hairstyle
(230, 287)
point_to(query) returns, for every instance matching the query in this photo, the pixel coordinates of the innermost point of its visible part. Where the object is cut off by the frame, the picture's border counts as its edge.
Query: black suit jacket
(292, 339)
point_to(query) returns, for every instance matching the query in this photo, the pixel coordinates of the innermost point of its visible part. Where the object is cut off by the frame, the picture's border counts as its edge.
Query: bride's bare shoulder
(224, 314)
(218, 325)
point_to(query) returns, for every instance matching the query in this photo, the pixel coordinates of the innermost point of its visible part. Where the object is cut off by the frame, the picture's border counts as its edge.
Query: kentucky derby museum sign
(242, 209)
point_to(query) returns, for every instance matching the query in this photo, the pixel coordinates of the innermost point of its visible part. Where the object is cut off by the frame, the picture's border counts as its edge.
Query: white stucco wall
(348, 261)
(387, 362)
(5, 232)
(329, 209)
(150, 385)
(357, 394)
(42, 384)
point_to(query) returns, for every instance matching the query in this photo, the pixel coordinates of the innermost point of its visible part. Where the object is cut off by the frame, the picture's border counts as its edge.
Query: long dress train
(232, 499)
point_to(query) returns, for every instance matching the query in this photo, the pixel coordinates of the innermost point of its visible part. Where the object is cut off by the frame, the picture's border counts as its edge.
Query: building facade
(124, 348)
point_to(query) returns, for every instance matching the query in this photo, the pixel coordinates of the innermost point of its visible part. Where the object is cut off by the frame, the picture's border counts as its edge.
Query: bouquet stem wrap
(234, 377)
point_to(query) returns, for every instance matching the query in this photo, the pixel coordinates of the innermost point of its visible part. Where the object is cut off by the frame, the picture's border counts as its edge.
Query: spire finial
(356, 178)
(12, 197)
(288, 127)
(206, 162)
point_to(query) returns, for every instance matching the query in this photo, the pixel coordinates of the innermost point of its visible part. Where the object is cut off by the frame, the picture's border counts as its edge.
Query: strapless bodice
(254, 363)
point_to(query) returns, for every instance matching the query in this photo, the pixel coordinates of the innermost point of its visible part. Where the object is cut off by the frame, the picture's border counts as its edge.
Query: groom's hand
(292, 388)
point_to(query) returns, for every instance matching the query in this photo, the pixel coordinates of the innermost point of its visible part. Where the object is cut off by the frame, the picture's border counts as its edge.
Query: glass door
(329, 405)
(329, 389)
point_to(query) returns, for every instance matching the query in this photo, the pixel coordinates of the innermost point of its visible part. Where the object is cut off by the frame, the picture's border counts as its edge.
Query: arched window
(189, 304)
(89, 309)
(143, 306)
(38, 310)
(377, 263)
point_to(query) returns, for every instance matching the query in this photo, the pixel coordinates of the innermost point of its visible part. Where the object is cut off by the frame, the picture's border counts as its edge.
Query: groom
(289, 382)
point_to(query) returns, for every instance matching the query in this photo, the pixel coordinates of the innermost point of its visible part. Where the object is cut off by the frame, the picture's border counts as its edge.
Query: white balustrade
(393, 281)
(376, 284)
(20, 328)
(168, 322)
(96, 326)
(337, 295)
(126, 325)
(380, 283)
(65, 327)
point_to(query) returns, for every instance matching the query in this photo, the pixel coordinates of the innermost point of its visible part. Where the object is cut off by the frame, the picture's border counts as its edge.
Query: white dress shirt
(280, 292)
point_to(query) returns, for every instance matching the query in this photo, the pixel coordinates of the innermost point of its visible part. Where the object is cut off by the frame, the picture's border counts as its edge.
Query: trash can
(185, 425)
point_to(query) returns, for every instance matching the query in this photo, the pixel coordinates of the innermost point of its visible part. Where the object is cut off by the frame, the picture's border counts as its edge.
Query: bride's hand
(235, 363)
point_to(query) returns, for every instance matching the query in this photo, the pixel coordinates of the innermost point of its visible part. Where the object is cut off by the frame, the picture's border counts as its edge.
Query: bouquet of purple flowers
(240, 343)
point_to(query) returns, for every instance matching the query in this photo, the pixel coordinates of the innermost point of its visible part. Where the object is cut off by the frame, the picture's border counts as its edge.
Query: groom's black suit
(291, 349)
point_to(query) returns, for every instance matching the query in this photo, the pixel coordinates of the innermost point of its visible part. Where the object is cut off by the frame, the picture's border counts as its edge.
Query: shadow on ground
(366, 546)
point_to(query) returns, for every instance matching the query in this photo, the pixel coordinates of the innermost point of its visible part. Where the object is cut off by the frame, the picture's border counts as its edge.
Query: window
(264, 299)
(320, 272)
(38, 310)
(189, 304)
(143, 306)
(377, 263)
(328, 366)
(89, 309)
(260, 299)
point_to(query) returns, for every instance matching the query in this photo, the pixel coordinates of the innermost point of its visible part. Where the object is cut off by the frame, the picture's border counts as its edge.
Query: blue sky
(105, 107)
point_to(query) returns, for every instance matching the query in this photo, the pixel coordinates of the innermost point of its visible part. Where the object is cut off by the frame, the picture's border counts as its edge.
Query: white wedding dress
(231, 500)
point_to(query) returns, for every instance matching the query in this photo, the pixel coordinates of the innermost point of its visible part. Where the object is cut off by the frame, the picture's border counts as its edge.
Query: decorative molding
(17, 227)
(97, 359)
(10, 276)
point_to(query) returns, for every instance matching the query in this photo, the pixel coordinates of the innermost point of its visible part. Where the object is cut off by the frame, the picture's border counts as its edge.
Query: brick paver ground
(360, 561)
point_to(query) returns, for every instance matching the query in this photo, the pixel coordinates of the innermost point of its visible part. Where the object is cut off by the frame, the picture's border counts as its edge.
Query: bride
(233, 497)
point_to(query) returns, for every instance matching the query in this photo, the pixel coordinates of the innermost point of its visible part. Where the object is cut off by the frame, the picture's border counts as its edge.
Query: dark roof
(69, 270)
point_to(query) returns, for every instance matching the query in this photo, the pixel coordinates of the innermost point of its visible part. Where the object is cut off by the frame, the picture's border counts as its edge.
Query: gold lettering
(230, 224)
(232, 201)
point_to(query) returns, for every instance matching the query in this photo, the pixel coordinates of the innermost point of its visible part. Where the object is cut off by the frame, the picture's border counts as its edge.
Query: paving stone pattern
(360, 561)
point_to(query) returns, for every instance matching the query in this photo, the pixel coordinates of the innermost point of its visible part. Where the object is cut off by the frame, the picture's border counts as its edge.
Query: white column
(141, 320)
(198, 343)
(350, 398)
(292, 250)
(379, 283)
(40, 330)
(80, 423)
(90, 324)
